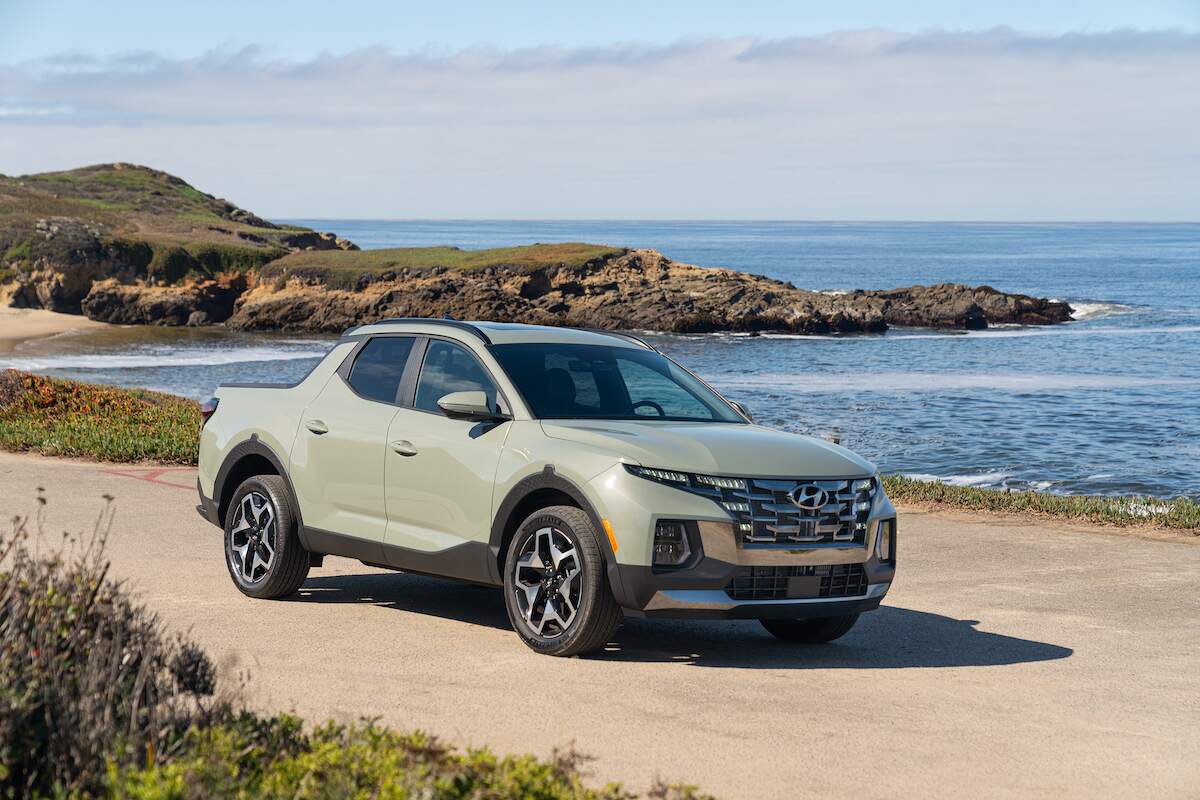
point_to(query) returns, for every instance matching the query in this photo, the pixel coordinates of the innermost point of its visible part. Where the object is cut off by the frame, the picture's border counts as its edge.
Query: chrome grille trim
(774, 521)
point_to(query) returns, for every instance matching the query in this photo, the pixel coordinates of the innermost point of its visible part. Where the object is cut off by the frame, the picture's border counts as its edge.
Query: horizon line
(743, 220)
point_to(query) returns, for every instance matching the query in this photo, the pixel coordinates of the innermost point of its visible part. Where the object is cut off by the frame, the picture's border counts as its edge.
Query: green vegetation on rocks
(342, 269)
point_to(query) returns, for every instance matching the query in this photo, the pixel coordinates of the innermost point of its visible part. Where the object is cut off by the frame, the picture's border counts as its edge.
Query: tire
(278, 545)
(810, 631)
(555, 564)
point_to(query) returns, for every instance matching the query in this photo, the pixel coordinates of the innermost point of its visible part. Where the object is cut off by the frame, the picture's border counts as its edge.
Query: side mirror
(741, 409)
(468, 405)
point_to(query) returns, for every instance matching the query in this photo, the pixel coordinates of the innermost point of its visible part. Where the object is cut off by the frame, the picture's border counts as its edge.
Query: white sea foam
(976, 479)
(1092, 310)
(1064, 330)
(824, 383)
(175, 358)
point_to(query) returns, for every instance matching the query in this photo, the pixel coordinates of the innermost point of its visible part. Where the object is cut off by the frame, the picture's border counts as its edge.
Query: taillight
(207, 409)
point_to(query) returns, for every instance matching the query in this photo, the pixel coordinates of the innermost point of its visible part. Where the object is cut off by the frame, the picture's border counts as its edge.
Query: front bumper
(700, 590)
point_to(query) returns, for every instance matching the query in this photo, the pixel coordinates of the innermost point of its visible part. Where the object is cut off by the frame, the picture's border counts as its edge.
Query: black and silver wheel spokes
(252, 538)
(547, 583)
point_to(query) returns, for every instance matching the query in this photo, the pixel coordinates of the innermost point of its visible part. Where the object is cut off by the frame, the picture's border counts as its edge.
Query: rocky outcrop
(317, 240)
(203, 302)
(952, 305)
(639, 290)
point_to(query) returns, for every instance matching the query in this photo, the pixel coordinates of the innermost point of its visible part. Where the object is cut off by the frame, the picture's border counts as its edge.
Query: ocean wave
(1085, 309)
(1006, 331)
(145, 360)
(1054, 330)
(976, 479)
(834, 382)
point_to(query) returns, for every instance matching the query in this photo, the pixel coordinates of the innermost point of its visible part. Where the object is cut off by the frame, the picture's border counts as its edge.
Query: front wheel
(810, 631)
(555, 587)
(262, 547)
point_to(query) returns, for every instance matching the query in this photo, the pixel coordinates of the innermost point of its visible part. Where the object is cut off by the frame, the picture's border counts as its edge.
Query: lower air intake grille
(798, 583)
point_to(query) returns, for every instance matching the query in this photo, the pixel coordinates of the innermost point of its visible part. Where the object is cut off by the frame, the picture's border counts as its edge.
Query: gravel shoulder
(1013, 656)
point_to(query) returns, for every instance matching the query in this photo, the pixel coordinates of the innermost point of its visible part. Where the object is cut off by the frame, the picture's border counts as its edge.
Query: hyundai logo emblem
(809, 497)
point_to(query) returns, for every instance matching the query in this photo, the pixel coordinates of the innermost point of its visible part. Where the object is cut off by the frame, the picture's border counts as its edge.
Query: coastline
(20, 325)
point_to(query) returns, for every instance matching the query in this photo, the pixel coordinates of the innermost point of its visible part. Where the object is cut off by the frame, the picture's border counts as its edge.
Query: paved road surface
(1010, 659)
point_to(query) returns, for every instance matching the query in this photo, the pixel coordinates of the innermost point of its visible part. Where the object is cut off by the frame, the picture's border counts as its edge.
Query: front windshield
(587, 381)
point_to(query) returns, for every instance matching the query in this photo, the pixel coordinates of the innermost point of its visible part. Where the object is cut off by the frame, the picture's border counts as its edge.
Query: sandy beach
(19, 325)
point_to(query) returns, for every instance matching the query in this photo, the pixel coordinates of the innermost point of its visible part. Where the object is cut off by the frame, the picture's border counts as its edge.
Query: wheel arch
(251, 457)
(546, 488)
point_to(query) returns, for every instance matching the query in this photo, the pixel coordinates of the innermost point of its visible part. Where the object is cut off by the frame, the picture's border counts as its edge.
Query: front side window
(450, 368)
(583, 381)
(379, 367)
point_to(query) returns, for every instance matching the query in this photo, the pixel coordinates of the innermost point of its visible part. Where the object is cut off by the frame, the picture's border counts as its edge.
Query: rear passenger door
(440, 472)
(337, 465)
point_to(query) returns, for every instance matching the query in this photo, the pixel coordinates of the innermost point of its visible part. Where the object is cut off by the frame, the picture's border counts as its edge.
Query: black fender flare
(548, 478)
(255, 446)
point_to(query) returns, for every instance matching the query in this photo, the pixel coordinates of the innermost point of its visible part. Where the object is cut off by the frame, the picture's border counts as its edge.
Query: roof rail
(451, 323)
(622, 335)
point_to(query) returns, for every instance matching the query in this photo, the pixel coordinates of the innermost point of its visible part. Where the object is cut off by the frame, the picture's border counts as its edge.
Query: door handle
(316, 426)
(404, 447)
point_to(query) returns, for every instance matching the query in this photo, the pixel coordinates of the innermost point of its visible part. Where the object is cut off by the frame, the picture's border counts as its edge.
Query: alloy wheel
(252, 538)
(547, 582)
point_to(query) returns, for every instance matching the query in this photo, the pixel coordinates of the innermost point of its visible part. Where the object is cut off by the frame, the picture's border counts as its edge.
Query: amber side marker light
(612, 537)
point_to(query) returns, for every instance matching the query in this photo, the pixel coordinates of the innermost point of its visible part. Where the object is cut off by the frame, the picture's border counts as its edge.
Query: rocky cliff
(131, 245)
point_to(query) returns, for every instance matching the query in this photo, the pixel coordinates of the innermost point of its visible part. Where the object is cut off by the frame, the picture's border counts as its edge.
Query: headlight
(665, 475)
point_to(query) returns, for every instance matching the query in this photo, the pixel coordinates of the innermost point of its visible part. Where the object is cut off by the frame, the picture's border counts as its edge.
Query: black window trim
(411, 398)
(347, 366)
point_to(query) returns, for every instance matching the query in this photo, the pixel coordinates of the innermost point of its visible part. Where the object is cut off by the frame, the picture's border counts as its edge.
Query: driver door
(440, 472)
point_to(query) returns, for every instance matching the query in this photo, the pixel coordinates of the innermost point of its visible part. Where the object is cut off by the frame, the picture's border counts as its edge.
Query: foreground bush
(86, 675)
(69, 418)
(97, 700)
(363, 761)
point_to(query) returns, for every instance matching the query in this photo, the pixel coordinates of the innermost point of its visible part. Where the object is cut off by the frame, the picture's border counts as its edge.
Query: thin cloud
(977, 124)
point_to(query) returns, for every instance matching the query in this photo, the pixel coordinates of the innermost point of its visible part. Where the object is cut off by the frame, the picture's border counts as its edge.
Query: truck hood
(716, 448)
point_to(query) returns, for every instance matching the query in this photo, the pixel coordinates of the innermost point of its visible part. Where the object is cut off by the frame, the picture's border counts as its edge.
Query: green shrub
(171, 264)
(364, 761)
(69, 418)
(1180, 512)
(87, 677)
(217, 258)
(96, 700)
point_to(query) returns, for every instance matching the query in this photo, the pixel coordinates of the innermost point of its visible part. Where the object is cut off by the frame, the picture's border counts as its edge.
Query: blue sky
(700, 110)
(36, 28)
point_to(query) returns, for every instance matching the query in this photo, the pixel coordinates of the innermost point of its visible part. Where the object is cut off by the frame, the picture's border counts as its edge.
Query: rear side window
(380, 366)
(450, 368)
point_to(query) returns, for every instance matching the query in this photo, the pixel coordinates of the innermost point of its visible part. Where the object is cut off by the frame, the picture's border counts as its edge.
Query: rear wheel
(810, 631)
(262, 547)
(555, 587)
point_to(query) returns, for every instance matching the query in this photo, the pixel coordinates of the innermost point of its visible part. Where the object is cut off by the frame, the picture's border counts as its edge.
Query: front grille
(766, 515)
(798, 582)
(796, 513)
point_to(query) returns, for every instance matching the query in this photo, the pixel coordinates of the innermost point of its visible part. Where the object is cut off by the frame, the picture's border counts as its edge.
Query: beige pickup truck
(585, 472)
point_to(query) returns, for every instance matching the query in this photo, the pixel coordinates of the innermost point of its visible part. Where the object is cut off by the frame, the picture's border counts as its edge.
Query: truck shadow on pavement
(888, 638)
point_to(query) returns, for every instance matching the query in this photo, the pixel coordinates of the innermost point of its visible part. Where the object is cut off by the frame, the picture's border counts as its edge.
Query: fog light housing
(885, 541)
(672, 547)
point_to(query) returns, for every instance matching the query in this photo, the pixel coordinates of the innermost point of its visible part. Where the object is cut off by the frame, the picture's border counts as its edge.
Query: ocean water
(1108, 404)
